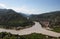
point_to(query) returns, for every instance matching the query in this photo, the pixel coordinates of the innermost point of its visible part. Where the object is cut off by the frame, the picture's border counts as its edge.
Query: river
(34, 29)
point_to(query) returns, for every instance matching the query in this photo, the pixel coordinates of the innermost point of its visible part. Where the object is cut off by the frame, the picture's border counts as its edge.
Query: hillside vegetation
(4, 35)
(9, 19)
(50, 19)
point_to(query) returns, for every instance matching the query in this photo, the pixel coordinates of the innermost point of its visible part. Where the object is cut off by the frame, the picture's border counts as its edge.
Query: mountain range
(50, 18)
(10, 18)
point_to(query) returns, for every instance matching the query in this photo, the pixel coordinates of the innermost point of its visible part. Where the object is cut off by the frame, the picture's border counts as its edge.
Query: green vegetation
(53, 18)
(11, 19)
(56, 29)
(34, 36)
(4, 35)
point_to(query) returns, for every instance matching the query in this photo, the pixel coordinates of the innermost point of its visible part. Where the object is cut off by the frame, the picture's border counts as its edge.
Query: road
(34, 29)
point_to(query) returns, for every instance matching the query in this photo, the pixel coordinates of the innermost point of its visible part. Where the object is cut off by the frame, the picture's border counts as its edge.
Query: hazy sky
(31, 6)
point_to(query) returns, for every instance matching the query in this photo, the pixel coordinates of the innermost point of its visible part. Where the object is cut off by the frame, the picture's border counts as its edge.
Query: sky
(31, 6)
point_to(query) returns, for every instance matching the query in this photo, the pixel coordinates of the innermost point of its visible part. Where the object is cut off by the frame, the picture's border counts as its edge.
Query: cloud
(24, 9)
(2, 5)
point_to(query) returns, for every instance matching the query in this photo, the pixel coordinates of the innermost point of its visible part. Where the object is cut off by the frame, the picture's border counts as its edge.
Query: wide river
(34, 29)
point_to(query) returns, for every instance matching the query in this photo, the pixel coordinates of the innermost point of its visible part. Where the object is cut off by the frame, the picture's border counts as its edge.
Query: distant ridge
(52, 17)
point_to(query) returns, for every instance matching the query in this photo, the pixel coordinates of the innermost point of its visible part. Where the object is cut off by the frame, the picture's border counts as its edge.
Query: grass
(56, 29)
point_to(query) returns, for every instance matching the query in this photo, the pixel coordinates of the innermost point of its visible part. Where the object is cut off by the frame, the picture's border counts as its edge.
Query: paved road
(34, 29)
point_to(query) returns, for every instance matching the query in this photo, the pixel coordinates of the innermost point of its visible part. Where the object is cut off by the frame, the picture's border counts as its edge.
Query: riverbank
(34, 29)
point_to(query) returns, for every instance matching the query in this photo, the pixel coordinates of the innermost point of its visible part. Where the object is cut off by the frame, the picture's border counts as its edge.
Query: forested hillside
(9, 18)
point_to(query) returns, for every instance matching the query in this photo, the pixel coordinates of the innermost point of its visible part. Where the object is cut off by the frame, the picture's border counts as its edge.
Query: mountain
(24, 15)
(10, 18)
(52, 19)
